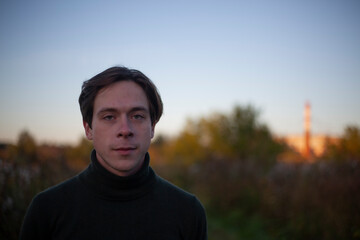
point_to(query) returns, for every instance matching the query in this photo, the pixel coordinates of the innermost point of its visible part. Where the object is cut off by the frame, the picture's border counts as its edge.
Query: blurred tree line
(232, 163)
(27, 169)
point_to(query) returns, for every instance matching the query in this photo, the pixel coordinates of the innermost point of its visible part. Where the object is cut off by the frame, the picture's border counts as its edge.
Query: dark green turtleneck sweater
(97, 204)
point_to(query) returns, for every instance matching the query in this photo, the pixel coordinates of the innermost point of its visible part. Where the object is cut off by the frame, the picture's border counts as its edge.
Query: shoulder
(57, 194)
(52, 201)
(172, 193)
(167, 187)
(187, 208)
(44, 209)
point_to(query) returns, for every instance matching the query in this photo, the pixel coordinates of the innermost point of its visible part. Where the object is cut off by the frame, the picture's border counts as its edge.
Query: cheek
(100, 140)
(99, 135)
(145, 134)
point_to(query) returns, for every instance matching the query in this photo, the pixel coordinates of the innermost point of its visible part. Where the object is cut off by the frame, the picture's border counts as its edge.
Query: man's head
(92, 86)
(120, 109)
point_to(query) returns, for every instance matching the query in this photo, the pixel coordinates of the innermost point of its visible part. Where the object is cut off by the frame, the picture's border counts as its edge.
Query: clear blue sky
(204, 56)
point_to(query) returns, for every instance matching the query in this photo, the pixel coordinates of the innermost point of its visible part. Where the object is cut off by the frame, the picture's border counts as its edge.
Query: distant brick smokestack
(307, 130)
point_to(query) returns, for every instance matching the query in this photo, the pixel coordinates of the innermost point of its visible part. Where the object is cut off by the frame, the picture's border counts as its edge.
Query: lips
(125, 150)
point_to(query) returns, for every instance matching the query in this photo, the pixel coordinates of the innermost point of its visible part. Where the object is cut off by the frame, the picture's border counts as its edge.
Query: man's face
(121, 127)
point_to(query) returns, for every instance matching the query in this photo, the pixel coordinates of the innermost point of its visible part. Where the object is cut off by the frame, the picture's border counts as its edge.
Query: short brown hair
(91, 87)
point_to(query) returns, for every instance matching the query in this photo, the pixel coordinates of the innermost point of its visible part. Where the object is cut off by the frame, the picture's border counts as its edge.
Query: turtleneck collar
(105, 184)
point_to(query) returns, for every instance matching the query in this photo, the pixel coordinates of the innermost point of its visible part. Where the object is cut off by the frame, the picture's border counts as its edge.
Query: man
(118, 196)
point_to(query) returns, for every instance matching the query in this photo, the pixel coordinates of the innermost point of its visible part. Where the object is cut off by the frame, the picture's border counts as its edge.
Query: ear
(88, 131)
(152, 130)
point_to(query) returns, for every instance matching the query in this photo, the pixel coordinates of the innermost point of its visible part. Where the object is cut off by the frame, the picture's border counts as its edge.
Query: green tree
(350, 143)
(26, 148)
(235, 136)
(78, 157)
(348, 147)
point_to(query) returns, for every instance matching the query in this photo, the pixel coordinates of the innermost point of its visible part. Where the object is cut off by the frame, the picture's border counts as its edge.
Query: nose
(124, 128)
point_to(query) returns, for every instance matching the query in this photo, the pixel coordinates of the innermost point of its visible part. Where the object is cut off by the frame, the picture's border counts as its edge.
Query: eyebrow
(114, 110)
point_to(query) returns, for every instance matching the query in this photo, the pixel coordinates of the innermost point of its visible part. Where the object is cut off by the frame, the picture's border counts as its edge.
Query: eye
(138, 117)
(108, 117)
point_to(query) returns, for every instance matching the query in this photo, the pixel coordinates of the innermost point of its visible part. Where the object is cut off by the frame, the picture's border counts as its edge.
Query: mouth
(125, 150)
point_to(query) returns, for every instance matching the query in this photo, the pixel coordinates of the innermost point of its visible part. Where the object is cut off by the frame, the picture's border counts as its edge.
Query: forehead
(121, 94)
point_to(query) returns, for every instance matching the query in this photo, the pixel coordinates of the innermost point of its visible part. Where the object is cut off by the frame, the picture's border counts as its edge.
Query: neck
(106, 184)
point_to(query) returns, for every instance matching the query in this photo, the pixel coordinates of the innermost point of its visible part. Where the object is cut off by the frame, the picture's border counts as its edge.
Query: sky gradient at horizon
(204, 56)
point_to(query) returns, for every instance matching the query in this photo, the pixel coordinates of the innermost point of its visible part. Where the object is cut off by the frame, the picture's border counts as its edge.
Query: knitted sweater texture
(97, 204)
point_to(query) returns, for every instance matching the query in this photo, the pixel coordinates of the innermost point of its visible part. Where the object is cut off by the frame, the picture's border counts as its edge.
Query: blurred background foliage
(244, 176)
